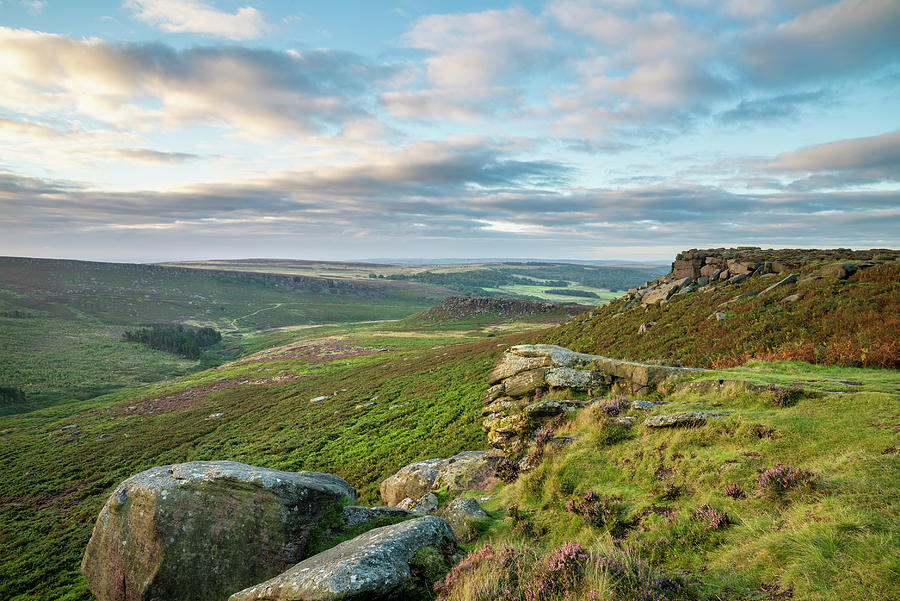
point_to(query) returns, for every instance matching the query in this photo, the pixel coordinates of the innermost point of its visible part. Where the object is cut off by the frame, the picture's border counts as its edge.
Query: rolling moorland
(60, 321)
(628, 511)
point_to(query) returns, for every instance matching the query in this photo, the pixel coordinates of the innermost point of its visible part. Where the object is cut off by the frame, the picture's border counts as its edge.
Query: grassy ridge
(854, 321)
(837, 540)
(428, 389)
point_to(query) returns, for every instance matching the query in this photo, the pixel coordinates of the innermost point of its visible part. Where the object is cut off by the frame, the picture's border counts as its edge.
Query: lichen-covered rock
(425, 505)
(355, 515)
(567, 377)
(493, 393)
(646, 405)
(462, 514)
(511, 364)
(469, 470)
(203, 529)
(374, 565)
(525, 382)
(682, 418)
(838, 270)
(543, 409)
(559, 356)
(412, 481)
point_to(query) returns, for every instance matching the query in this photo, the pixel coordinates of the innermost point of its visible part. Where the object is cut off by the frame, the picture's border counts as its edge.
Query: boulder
(791, 279)
(525, 382)
(462, 514)
(413, 481)
(427, 504)
(380, 564)
(511, 364)
(646, 405)
(680, 419)
(469, 470)
(559, 356)
(493, 393)
(543, 409)
(567, 377)
(657, 295)
(838, 270)
(791, 298)
(646, 326)
(203, 529)
(355, 515)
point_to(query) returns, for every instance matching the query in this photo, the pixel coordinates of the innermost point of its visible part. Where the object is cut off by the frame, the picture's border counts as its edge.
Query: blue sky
(150, 130)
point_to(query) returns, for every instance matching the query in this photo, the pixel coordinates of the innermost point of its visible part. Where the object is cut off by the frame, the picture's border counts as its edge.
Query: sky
(152, 130)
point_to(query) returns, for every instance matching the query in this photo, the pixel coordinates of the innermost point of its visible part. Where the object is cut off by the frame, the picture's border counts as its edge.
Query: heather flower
(712, 518)
(543, 436)
(599, 511)
(782, 478)
(614, 406)
(561, 572)
(734, 490)
(508, 470)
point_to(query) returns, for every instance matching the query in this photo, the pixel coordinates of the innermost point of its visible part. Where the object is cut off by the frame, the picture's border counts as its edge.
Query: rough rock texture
(646, 405)
(718, 386)
(469, 470)
(513, 364)
(461, 513)
(428, 503)
(838, 270)
(373, 566)
(184, 531)
(682, 418)
(508, 420)
(355, 515)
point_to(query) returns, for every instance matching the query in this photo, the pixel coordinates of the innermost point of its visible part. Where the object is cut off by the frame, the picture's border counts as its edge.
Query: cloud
(874, 153)
(142, 86)
(35, 7)
(772, 108)
(195, 16)
(841, 38)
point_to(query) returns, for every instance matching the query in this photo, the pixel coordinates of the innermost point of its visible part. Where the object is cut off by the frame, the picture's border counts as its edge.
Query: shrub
(778, 480)
(633, 579)
(616, 405)
(597, 510)
(734, 490)
(486, 574)
(508, 470)
(712, 518)
(560, 573)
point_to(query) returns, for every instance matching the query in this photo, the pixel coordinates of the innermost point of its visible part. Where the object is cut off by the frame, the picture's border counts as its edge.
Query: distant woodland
(187, 342)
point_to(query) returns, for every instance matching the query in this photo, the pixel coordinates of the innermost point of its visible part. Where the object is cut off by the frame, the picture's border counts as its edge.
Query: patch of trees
(16, 314)
(572, 292)
(10, 395)
(187, 342)
(474, 281)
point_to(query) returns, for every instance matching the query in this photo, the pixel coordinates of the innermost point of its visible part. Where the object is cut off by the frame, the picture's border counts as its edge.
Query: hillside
(828, 315)
(473, 309)
(61, 321)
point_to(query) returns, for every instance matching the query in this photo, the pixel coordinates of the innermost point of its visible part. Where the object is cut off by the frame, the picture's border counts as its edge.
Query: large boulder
(469, 470)
(463, 514)
(511, 364)
(382, 564)
(202, 530)
(681, 419)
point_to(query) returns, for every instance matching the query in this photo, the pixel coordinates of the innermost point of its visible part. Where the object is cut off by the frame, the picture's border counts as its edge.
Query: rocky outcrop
(681, 419)
(463, 514)
(381, 564)
(202, 530)
(470, 470)
(355, 515)
(514, 406)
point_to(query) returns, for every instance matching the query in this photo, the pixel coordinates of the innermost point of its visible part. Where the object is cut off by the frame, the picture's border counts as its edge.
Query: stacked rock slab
(373, 566)
(204, 529)
(513, 405)
(469, 470)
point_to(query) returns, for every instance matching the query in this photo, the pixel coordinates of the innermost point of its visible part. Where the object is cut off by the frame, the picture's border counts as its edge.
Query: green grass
(428, 390)
(538, 291)
(836, 541)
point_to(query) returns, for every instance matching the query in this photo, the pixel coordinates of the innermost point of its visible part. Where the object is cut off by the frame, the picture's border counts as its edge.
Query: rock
(567, 377)
(469, 470)
(718, 386)
(425, 505)
(355, 515)
(724, 275)
(104, 436)
(646, 405)
(720, 316)
(682, 418)
(646, 326)
(374, 565)
(365, 405)
(559, 356)
(703, 280)
(413, 481)
(406, 504)
(216, 415)
(525, 382)
(462, 514)
(778, 267)
(512, 364)
(791, 298)
(791, 279)
(543, 409)
(70, 427)
(838, 270)
(626, 421)
(504, 405)
(739, 278)
(184, 531)
(657, 295)
(493, 393)
(319, 399)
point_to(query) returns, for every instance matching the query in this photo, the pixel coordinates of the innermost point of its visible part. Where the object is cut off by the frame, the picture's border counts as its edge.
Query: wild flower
(508, 470)
(599, 511)
(614, 406)
(782, 478)
(734, 490)
(712, 518)
(633, 579)
(560, 573)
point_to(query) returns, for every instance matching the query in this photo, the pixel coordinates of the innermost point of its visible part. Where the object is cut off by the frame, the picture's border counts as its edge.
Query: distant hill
(461, 308)
(843, 308)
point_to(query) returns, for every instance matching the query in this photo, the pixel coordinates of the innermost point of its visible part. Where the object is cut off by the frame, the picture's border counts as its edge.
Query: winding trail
(234, 325)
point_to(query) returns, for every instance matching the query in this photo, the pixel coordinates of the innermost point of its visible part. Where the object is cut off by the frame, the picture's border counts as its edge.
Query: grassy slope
(68, 345)
(856, 316)
(838, 541)
(428, 389)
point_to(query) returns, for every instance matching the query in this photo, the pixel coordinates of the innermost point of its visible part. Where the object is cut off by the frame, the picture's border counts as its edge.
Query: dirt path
(234, 325)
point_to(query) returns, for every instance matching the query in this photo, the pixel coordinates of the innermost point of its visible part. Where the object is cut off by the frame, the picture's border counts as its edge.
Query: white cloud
(35, 7)
(195, 16)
